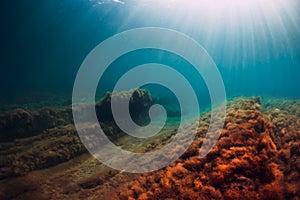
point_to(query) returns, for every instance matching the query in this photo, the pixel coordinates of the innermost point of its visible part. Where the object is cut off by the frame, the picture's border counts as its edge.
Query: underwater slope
(253, 159)
(46, 137)
(256, 157)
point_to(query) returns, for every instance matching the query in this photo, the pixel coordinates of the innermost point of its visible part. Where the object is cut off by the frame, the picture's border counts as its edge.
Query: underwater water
(255, 47)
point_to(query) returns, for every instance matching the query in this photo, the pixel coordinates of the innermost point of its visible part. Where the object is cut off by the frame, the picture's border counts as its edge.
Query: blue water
(257, 50)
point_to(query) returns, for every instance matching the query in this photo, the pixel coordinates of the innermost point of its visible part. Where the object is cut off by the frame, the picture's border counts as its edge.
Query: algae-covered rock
(48, 118)
(240, 166)
(139, 104)
(47, 149)
(15, 124)
(22, 123)
(31, 140)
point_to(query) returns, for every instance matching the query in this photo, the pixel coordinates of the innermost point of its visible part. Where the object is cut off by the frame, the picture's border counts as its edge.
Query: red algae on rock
(244, 164)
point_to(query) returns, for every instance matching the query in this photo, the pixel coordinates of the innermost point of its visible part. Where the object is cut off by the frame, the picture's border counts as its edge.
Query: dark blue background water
(44, 43)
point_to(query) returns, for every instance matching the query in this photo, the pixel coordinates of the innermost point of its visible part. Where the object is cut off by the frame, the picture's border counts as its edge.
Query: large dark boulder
(139, 104)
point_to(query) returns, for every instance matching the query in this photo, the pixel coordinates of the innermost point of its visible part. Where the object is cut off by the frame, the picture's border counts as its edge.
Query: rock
(139, 104)
(22, 123)
(16, 124)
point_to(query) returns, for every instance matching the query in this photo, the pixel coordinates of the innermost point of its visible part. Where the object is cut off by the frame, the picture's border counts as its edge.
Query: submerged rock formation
(139, 104)
(246, 163)
(47, 137)
(21, 123)
(256, 157)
